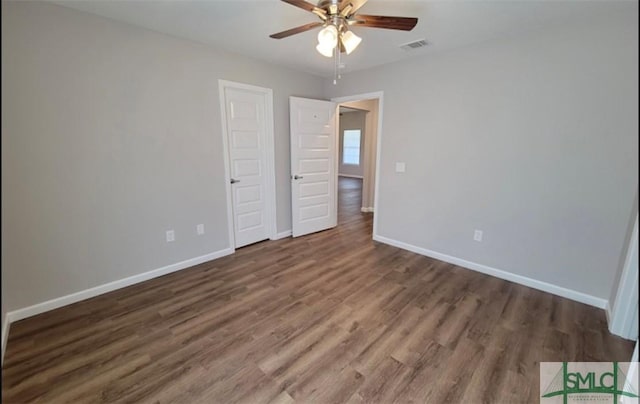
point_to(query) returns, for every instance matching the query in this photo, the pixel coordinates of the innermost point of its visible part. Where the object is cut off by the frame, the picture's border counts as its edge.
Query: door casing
(379, 95)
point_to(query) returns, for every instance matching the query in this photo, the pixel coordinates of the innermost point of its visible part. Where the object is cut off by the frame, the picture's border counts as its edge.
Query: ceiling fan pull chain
(335, 64)
(339, 63)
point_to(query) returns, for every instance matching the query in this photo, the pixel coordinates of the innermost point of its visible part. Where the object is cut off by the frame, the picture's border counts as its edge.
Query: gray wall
(111, 135)
(532, 139)
(352, 120)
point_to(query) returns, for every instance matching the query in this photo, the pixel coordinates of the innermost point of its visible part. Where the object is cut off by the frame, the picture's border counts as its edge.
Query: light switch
(400, 167)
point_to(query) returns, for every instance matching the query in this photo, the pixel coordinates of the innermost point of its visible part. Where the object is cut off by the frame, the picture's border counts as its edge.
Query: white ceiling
(244, 26)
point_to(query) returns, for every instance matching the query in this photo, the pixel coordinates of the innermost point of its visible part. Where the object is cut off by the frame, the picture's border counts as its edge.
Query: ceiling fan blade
(296, 30)
(308, 7)
(378, 21)
(355, 5)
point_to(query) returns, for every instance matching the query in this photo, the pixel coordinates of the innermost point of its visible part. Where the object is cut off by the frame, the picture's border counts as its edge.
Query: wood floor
(329, 318)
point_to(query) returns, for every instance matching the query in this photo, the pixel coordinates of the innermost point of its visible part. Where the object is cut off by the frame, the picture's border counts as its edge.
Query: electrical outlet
(171, 236)
(477, 235)
(200, 229)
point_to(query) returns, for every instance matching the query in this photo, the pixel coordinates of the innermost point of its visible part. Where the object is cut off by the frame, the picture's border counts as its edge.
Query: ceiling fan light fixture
(325, 50)
(328, 37)
(350, 41)
(337, 16)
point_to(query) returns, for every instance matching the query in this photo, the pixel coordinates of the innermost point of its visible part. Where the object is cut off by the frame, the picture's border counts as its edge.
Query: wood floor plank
(332, 317)
(417, 384)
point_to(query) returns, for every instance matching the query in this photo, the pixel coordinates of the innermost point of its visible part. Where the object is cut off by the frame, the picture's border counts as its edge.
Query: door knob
(234, 181)
(297, 177)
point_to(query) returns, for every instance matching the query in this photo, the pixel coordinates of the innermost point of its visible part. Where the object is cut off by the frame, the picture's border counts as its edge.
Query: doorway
(351, 141)
(360, 124)
(315, 160)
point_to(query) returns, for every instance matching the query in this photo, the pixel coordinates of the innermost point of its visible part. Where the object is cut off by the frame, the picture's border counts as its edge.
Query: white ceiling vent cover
(420, 43)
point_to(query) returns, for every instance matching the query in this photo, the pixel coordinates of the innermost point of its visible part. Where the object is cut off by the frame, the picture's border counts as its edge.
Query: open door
(314, 203)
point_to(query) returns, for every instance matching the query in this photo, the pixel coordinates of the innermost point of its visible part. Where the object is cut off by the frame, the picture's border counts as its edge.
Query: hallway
(350, 200)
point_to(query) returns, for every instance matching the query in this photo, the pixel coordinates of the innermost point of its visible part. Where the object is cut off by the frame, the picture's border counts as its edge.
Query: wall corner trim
(499, 273)
(623, 315)
(52, 304)
(5, 334)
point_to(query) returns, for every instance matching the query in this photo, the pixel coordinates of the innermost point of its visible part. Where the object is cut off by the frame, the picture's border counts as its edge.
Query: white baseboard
(607, 313)
(499, 273)
(5, 335)
(351, 176)
(52, 304)
(283, 234)
(367, 210)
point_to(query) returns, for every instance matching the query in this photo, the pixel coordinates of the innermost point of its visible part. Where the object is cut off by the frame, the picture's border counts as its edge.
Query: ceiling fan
(336, 17)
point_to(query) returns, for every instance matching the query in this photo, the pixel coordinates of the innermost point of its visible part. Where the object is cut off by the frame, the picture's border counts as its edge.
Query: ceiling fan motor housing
(331, 6)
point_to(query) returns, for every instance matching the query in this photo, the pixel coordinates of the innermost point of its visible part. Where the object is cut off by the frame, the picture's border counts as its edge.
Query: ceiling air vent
(420, 43)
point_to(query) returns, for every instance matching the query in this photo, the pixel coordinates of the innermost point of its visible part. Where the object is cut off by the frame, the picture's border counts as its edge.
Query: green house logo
(587, 381)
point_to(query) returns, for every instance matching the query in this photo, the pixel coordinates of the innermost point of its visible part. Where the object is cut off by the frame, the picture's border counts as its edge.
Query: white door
(313, 165)
(246, 129)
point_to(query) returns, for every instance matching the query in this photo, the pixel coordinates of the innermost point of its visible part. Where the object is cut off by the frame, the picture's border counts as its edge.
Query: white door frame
(379, 95)
(270, 188)
(624, 314)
